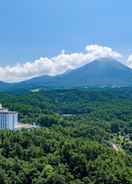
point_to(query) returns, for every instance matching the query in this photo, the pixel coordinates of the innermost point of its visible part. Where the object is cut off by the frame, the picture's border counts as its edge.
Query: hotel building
(8, 119)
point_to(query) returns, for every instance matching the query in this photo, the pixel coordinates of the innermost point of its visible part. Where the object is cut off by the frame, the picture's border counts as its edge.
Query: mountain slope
(99, 73)
(104, 72)
(4, 86)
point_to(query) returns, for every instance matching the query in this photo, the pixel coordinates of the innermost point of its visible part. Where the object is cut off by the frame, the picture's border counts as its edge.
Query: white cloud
(129, 61)
(56, 65)
(100, 51)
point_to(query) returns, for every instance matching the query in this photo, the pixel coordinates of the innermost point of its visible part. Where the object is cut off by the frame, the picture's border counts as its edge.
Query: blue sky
(30, 29)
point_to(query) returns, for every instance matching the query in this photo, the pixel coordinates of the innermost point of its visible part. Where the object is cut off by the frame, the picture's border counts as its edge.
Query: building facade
(8, 119)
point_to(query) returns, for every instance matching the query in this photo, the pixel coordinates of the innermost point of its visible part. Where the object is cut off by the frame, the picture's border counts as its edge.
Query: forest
(84, 136)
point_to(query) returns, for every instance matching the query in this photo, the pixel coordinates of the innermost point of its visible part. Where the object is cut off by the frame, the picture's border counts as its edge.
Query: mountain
(4, 86)
(99, 73)
(103, 72)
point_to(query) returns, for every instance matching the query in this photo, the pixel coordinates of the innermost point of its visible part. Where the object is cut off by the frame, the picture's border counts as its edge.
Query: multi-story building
(8, 119)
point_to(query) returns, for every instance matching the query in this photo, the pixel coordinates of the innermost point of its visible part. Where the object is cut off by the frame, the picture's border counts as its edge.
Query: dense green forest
(84, 137)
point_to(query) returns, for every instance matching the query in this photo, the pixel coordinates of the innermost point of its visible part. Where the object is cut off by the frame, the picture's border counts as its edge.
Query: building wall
(8, 120)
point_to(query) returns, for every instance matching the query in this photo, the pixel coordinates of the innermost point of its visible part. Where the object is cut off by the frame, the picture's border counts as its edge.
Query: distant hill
(99, 73)
(4, 86)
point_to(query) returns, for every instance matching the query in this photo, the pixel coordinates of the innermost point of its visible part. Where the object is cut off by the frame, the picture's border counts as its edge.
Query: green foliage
(85, 137)
(48, 120)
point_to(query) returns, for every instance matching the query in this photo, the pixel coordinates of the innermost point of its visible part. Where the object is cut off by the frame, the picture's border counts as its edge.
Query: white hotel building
(8, 119)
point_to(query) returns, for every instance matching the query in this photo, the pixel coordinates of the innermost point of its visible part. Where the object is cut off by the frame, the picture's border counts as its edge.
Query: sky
(32, 30)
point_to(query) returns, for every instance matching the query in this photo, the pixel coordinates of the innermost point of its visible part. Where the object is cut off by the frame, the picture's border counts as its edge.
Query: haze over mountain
(99, 73)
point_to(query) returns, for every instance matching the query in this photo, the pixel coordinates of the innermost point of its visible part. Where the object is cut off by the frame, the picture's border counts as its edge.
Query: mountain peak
(101, 72)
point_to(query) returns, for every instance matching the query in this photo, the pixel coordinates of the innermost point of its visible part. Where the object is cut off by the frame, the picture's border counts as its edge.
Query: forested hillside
(85, 137)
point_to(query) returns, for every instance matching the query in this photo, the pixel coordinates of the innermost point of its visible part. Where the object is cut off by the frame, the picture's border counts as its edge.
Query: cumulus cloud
(98, 51)
(56, 65)
(129, 61)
